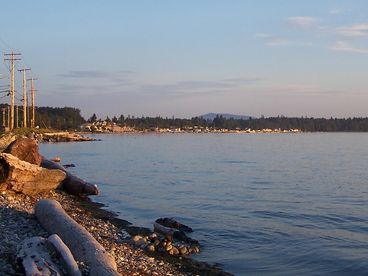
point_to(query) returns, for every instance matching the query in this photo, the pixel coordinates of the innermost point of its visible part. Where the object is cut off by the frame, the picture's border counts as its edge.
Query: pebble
(150, 248)
(175, 250)
(183, 250)
(168, 247)
(137, 238)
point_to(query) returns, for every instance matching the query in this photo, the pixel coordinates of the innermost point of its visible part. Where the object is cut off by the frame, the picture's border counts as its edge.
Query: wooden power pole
(12, 59)
(4, 119)
(9, 117)
(17, 116)
(25, 106)
(33, 90)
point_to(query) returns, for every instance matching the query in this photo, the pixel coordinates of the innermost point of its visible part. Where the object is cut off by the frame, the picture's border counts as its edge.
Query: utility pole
(17, 116)
(12, 59)
(4, 109)
(33, 90)
(24, 96)
(4, 119)
(9, 117)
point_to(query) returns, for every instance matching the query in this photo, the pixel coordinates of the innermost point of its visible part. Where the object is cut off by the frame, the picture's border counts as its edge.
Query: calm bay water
(286, 204)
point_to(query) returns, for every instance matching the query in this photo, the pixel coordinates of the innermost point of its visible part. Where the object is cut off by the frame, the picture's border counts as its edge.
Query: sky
(187, 58)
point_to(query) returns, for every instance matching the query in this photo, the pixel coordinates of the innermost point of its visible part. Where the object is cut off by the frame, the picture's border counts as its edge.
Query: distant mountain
(211, 116)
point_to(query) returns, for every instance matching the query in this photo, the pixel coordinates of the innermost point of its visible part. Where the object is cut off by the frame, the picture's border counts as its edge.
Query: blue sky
(186, 58)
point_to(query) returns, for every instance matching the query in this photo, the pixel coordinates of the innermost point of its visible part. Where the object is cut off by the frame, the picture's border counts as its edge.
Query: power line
(24, 70)
(12, 59)
(33, 90)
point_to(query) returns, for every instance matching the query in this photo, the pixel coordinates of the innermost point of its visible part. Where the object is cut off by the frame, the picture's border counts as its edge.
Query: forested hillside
(63, 118)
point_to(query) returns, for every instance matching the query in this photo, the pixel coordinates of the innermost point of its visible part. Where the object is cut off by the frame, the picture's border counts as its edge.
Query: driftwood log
(172, 223)
(5, 140)
(71, 184)
(82, 244)
(166, 231)
(35, 257)
(171, 233)
(24, 177)
(66, 256)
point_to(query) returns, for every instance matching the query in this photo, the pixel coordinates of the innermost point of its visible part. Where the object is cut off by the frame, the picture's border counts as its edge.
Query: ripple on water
(259, 204)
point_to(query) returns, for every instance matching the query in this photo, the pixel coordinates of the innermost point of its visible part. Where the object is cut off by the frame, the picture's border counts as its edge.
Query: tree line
(60, 118)
(70, 118)
(308, 124)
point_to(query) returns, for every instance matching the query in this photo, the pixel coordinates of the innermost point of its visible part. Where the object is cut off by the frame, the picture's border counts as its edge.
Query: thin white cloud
(304, 22)
(356, 30)
(344, 46)
(335, 11)
(275, 42)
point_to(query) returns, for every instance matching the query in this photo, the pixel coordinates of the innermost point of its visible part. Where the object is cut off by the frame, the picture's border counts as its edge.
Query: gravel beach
(18, 222)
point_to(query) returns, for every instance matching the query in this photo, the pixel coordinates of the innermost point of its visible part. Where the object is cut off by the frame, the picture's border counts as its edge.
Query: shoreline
(185, 264)
(103, 224)
(113, 233)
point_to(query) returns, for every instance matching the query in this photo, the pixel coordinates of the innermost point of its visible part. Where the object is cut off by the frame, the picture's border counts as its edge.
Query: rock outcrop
(25, 149)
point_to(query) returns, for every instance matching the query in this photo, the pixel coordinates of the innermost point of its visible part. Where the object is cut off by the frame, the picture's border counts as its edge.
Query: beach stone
(183, 250)
(140, 242)
(137, 238)
(26, 149)
(168, 247)
(194, 249)
(156, 242)
(175, 250)
(151, 248)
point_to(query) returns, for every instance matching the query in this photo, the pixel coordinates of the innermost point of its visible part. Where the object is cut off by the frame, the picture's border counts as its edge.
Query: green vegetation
(220, 122)
(61, 118)
(69, 118)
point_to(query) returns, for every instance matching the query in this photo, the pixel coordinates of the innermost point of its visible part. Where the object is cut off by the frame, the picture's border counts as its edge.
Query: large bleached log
(35, 258)
(71, 184)
(66, 256)
(25, 149)
(24, 177)
(82, 244)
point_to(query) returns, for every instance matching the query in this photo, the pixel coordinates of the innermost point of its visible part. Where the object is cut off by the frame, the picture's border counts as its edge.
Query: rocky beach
(129, 246)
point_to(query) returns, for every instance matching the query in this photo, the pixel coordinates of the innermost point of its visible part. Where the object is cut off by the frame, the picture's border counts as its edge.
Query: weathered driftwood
(82, 244)
(35, 258)
(5, 140)
(24, 177)
(25, 149)
(71, 184)
(170, 222)
(171, 233)
(166, 231)
(66, 256)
